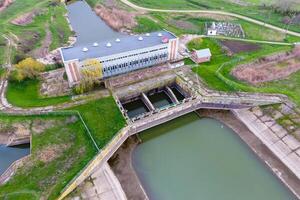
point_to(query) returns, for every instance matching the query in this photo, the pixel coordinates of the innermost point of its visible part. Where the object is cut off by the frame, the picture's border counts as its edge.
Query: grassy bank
(61, 150)
(26, 94)
(224, 81)
(103, 118)
(58, 153)
(251, 9)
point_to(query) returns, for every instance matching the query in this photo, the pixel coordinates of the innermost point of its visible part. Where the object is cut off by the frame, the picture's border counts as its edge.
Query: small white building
(201, 56)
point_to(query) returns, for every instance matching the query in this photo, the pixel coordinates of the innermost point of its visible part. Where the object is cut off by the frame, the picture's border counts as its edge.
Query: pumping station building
(120, 55)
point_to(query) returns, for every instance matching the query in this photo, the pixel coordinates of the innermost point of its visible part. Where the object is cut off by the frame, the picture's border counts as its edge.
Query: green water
(160, 99)
(194, 159)
(135, 108)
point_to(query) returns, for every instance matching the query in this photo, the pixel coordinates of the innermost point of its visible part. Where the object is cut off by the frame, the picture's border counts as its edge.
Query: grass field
(187, 23)
(103, 118)
(224, 81)
(39, 179)
(57, 155)
(253, 9)
(26, 94)
(32, 35)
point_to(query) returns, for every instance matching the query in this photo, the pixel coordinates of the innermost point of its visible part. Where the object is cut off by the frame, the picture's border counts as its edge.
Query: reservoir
(10, 154)
(88, 26)
(193, 158)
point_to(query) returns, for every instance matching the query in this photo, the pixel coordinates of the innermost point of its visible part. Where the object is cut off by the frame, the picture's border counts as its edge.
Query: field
(217, 73)
(195, 24)
(31, 37)
(53, 161)
(26, 94)
(61, 147)
(243, 7)
(103, 118)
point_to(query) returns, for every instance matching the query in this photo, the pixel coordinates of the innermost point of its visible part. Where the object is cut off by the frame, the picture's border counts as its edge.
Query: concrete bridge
(157, 117)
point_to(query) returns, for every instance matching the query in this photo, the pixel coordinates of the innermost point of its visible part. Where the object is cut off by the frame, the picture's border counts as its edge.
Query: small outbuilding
(201, 56)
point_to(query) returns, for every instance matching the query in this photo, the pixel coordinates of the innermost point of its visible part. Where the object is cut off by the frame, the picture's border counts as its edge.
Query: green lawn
(57, 155)
(26, 94)
(251, 10)
(103, 118)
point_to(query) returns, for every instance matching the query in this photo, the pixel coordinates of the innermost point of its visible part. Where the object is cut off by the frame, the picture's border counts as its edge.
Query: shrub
(26, 69)
(195, 44)
(89, 80)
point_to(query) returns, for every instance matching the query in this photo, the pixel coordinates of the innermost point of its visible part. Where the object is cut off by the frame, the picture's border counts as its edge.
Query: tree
(89, 77)
(27, 68)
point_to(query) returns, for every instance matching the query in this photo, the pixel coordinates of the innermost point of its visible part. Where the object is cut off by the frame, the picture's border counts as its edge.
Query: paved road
(212, 12)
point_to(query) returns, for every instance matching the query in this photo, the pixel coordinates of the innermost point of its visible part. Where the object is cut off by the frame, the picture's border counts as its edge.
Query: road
(132, 5)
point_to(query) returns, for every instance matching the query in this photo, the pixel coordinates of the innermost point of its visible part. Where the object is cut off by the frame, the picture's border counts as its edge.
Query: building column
(172, 95)
(147, 102)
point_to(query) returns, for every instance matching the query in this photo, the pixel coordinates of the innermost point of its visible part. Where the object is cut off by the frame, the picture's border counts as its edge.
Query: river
(88, 26)
(193, 158)
(10, 154)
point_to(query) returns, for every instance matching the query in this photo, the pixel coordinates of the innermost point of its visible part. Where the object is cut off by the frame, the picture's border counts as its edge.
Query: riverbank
(278, 168)
(121, 162)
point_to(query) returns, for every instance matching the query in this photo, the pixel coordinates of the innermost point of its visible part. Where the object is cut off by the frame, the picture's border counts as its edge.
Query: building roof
(118, 45)
(203, 53)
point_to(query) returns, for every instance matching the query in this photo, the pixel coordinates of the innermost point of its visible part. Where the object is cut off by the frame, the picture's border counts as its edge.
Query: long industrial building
(120, 55)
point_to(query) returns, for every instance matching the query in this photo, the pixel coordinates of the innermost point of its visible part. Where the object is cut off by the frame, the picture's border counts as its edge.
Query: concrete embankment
(121, 164)
(11, 170)
(102, 184)
(14, 140)
(255, 137)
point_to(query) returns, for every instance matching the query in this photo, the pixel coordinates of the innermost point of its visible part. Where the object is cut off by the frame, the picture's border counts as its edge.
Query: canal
(88, 26)
(10, 154)
(193, 158)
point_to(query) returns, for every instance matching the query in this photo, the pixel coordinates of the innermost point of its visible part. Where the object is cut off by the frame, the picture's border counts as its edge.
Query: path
(132, 5)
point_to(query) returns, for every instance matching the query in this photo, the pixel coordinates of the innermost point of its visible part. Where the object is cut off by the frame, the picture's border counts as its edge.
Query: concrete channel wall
(207, 100)
(286, 149)
(163, 116)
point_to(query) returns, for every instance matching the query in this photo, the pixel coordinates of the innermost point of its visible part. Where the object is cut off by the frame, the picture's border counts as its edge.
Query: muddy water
(10, 154)
(88, 26)
(193, 158)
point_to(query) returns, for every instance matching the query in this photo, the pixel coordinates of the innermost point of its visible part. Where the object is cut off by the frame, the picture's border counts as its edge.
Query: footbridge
(157, 117)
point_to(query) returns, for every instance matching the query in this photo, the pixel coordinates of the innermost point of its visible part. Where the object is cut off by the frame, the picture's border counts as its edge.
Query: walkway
(132, 5)
(102, 184)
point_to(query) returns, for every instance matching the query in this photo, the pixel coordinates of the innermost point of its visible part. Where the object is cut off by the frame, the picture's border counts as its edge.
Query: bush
(195, 44)
(26, 69)
(89, 80)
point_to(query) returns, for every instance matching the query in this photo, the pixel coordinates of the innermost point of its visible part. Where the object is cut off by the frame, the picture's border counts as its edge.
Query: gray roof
(203, 53)
(126, 43)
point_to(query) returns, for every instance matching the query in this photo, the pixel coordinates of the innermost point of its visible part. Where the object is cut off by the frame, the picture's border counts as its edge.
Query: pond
(88, 26)
(10, 154)
(193, 158)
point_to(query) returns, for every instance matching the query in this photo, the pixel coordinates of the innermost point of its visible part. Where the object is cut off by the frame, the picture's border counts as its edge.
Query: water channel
(193, 158)
(10, 154)
(88, 26)
(187, 158)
